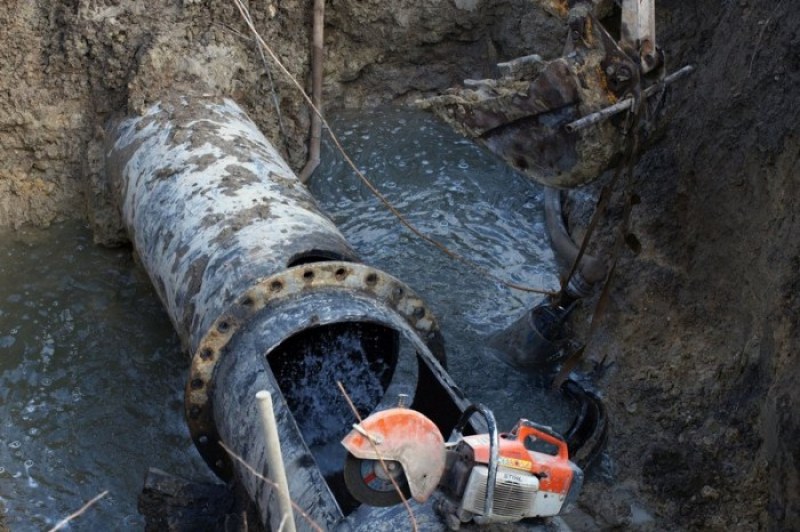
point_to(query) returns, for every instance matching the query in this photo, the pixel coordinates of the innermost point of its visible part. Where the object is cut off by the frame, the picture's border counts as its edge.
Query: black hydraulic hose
(591, 270)
(589, 431)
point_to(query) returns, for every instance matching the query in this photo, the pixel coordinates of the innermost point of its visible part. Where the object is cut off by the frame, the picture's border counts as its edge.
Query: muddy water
(461, 195)
(91, 375)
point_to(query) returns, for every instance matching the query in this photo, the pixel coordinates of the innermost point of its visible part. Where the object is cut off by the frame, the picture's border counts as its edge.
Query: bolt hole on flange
(340, 274)
(371, 279)
(308, 275)
(276, 286)
(223, 326)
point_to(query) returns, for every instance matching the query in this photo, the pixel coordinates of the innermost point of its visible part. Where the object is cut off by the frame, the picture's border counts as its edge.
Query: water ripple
(467, 199)
(87, 360)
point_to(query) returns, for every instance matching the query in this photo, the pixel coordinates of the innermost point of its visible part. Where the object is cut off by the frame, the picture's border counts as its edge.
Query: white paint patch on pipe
(211, 207)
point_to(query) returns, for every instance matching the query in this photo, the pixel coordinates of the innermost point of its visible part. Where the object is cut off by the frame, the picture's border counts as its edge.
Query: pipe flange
(334, 275)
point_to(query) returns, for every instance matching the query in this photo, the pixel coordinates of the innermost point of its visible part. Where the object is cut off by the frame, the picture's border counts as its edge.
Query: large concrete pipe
(266, 294)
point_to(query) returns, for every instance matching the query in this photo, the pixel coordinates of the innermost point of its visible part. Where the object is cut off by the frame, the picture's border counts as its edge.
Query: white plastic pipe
(275, 460)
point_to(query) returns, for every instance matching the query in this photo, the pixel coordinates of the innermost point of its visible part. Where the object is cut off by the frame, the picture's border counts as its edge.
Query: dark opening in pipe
(267, 294)
(315, 255)
(307, 366)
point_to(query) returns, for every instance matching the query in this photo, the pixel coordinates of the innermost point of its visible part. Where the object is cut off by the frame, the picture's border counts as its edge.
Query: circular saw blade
(369, 483)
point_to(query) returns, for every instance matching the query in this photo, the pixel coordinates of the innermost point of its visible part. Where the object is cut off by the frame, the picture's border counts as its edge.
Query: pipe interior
(307, 366)
(315, 255)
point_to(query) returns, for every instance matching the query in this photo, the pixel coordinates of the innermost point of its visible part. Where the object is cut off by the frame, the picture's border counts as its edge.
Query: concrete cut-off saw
(486, 478)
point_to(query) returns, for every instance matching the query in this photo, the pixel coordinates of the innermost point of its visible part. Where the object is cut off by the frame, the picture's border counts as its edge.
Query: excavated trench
(695, 354)
(57, 364)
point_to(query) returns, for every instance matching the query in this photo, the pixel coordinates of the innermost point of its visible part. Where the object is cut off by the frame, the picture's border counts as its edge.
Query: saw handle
(494, 449)
(527, 428)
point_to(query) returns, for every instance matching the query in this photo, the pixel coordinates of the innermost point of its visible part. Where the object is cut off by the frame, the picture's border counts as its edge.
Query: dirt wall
(66, 67)
(703, 325)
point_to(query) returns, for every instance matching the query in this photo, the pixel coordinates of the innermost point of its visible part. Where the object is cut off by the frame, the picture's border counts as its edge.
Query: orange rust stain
(603, 82)
(561, 7)
(589, 32)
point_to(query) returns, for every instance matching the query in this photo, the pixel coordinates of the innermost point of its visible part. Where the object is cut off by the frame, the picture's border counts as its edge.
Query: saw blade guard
(405, 436)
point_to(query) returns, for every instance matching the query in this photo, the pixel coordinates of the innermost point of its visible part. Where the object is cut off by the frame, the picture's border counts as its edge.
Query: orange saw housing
(534, 478)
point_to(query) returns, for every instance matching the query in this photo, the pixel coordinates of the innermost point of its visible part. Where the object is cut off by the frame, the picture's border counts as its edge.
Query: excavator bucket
(524, 116)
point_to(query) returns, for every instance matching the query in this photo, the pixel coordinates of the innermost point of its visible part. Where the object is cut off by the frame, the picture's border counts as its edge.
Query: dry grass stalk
(71, 517)
(272, 483)
(275, 101)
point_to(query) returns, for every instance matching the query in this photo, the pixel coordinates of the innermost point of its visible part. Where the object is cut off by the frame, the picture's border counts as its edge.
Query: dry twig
(261, 477)
(275, 101)
(64, 522)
